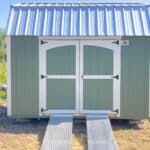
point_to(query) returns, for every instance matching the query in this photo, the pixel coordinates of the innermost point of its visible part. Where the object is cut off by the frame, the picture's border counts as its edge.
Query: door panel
(97, 82)
(98, 94)
(60, 94)
(61, 61)
(98, 61)
(59, 76)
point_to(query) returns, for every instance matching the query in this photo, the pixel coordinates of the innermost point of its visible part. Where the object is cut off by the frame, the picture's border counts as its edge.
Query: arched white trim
(53, 44)
(108, 44)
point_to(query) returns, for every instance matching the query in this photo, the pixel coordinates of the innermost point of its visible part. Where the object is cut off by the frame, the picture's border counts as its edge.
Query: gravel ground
(28, 135)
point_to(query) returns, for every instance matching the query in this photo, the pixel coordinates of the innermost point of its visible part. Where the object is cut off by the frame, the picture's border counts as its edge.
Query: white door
(59, 76)
(99, 76)
(79, 76)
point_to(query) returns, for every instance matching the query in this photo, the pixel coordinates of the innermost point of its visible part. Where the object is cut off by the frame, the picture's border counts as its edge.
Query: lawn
(28, 135)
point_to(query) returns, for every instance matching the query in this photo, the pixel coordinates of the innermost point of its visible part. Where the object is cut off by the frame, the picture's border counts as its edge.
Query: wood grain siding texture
(98, 93)
(61, 60)
(148, 57)
(98, 61)
(135, 78)
(24, 75)
(60, 94)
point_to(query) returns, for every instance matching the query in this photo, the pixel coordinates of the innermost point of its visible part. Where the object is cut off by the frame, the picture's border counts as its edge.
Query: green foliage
(3, 72)
(2, 46)
(3, 96)
(2, 57)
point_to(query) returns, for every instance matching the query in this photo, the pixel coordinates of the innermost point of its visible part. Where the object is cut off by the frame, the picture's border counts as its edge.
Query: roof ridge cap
(44, 4)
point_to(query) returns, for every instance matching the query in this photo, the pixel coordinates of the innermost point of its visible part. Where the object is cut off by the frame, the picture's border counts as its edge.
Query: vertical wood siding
(135, 78)
(98, 61)
(61, 94)
(61, 60)
(24, 76)
(98, 93)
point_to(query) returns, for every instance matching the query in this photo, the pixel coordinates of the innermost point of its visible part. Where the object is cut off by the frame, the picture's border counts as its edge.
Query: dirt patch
(20, 135)
(132, 136)
(28, 135)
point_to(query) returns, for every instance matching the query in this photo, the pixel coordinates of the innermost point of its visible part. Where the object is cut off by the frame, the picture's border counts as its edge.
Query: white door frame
(50, 44)
(116, 71)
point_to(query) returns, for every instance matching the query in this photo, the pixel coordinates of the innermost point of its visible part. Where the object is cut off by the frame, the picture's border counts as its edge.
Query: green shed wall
(135, 78)
(24, 77)
(135, 64)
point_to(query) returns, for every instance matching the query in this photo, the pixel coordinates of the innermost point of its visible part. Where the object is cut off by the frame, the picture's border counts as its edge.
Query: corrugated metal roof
(79, 19)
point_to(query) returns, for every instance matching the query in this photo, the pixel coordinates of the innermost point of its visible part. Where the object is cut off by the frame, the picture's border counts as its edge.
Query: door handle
(116, 77)
(43, 76)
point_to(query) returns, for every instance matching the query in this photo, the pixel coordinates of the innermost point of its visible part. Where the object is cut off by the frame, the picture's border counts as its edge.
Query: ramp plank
(99, 133)
(58, 133)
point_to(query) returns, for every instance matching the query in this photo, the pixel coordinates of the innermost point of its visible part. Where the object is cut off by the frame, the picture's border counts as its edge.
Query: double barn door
(79, 76)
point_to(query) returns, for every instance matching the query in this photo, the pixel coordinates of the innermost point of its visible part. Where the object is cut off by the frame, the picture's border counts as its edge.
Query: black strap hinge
(116, 42)
(43, 76)
(43, 42)
(116, 77)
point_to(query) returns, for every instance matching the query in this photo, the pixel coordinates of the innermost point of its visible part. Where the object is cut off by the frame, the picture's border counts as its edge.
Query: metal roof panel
(79, 19)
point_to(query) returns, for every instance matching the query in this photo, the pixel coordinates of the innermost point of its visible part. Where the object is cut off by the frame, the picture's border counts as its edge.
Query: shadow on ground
(124, 125)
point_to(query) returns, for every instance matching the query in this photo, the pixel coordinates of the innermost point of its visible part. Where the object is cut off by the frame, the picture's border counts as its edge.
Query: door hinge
(42, 110)
(116, 77)
(43, 76)
(43, 42)
(116, 42)
(116, 111)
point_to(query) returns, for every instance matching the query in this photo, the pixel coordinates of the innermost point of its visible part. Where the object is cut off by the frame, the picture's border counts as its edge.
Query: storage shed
(79, 58)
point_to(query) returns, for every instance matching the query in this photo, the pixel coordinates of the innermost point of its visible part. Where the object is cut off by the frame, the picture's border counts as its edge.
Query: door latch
(116, 77)
(43, 76)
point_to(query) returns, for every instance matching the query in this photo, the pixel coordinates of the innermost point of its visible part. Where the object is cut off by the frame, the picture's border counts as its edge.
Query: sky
(5, 4)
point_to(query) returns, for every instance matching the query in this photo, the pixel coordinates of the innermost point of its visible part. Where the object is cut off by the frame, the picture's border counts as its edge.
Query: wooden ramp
(58, 133)
(99, 133)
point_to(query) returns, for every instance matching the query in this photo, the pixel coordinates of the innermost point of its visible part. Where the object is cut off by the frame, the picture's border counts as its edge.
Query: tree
(2, 46)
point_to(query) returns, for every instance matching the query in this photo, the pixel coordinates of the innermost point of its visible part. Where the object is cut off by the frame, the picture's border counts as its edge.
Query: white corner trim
(9, 76)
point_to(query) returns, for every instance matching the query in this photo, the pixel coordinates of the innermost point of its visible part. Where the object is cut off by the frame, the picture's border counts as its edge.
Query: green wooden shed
(79, 58)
